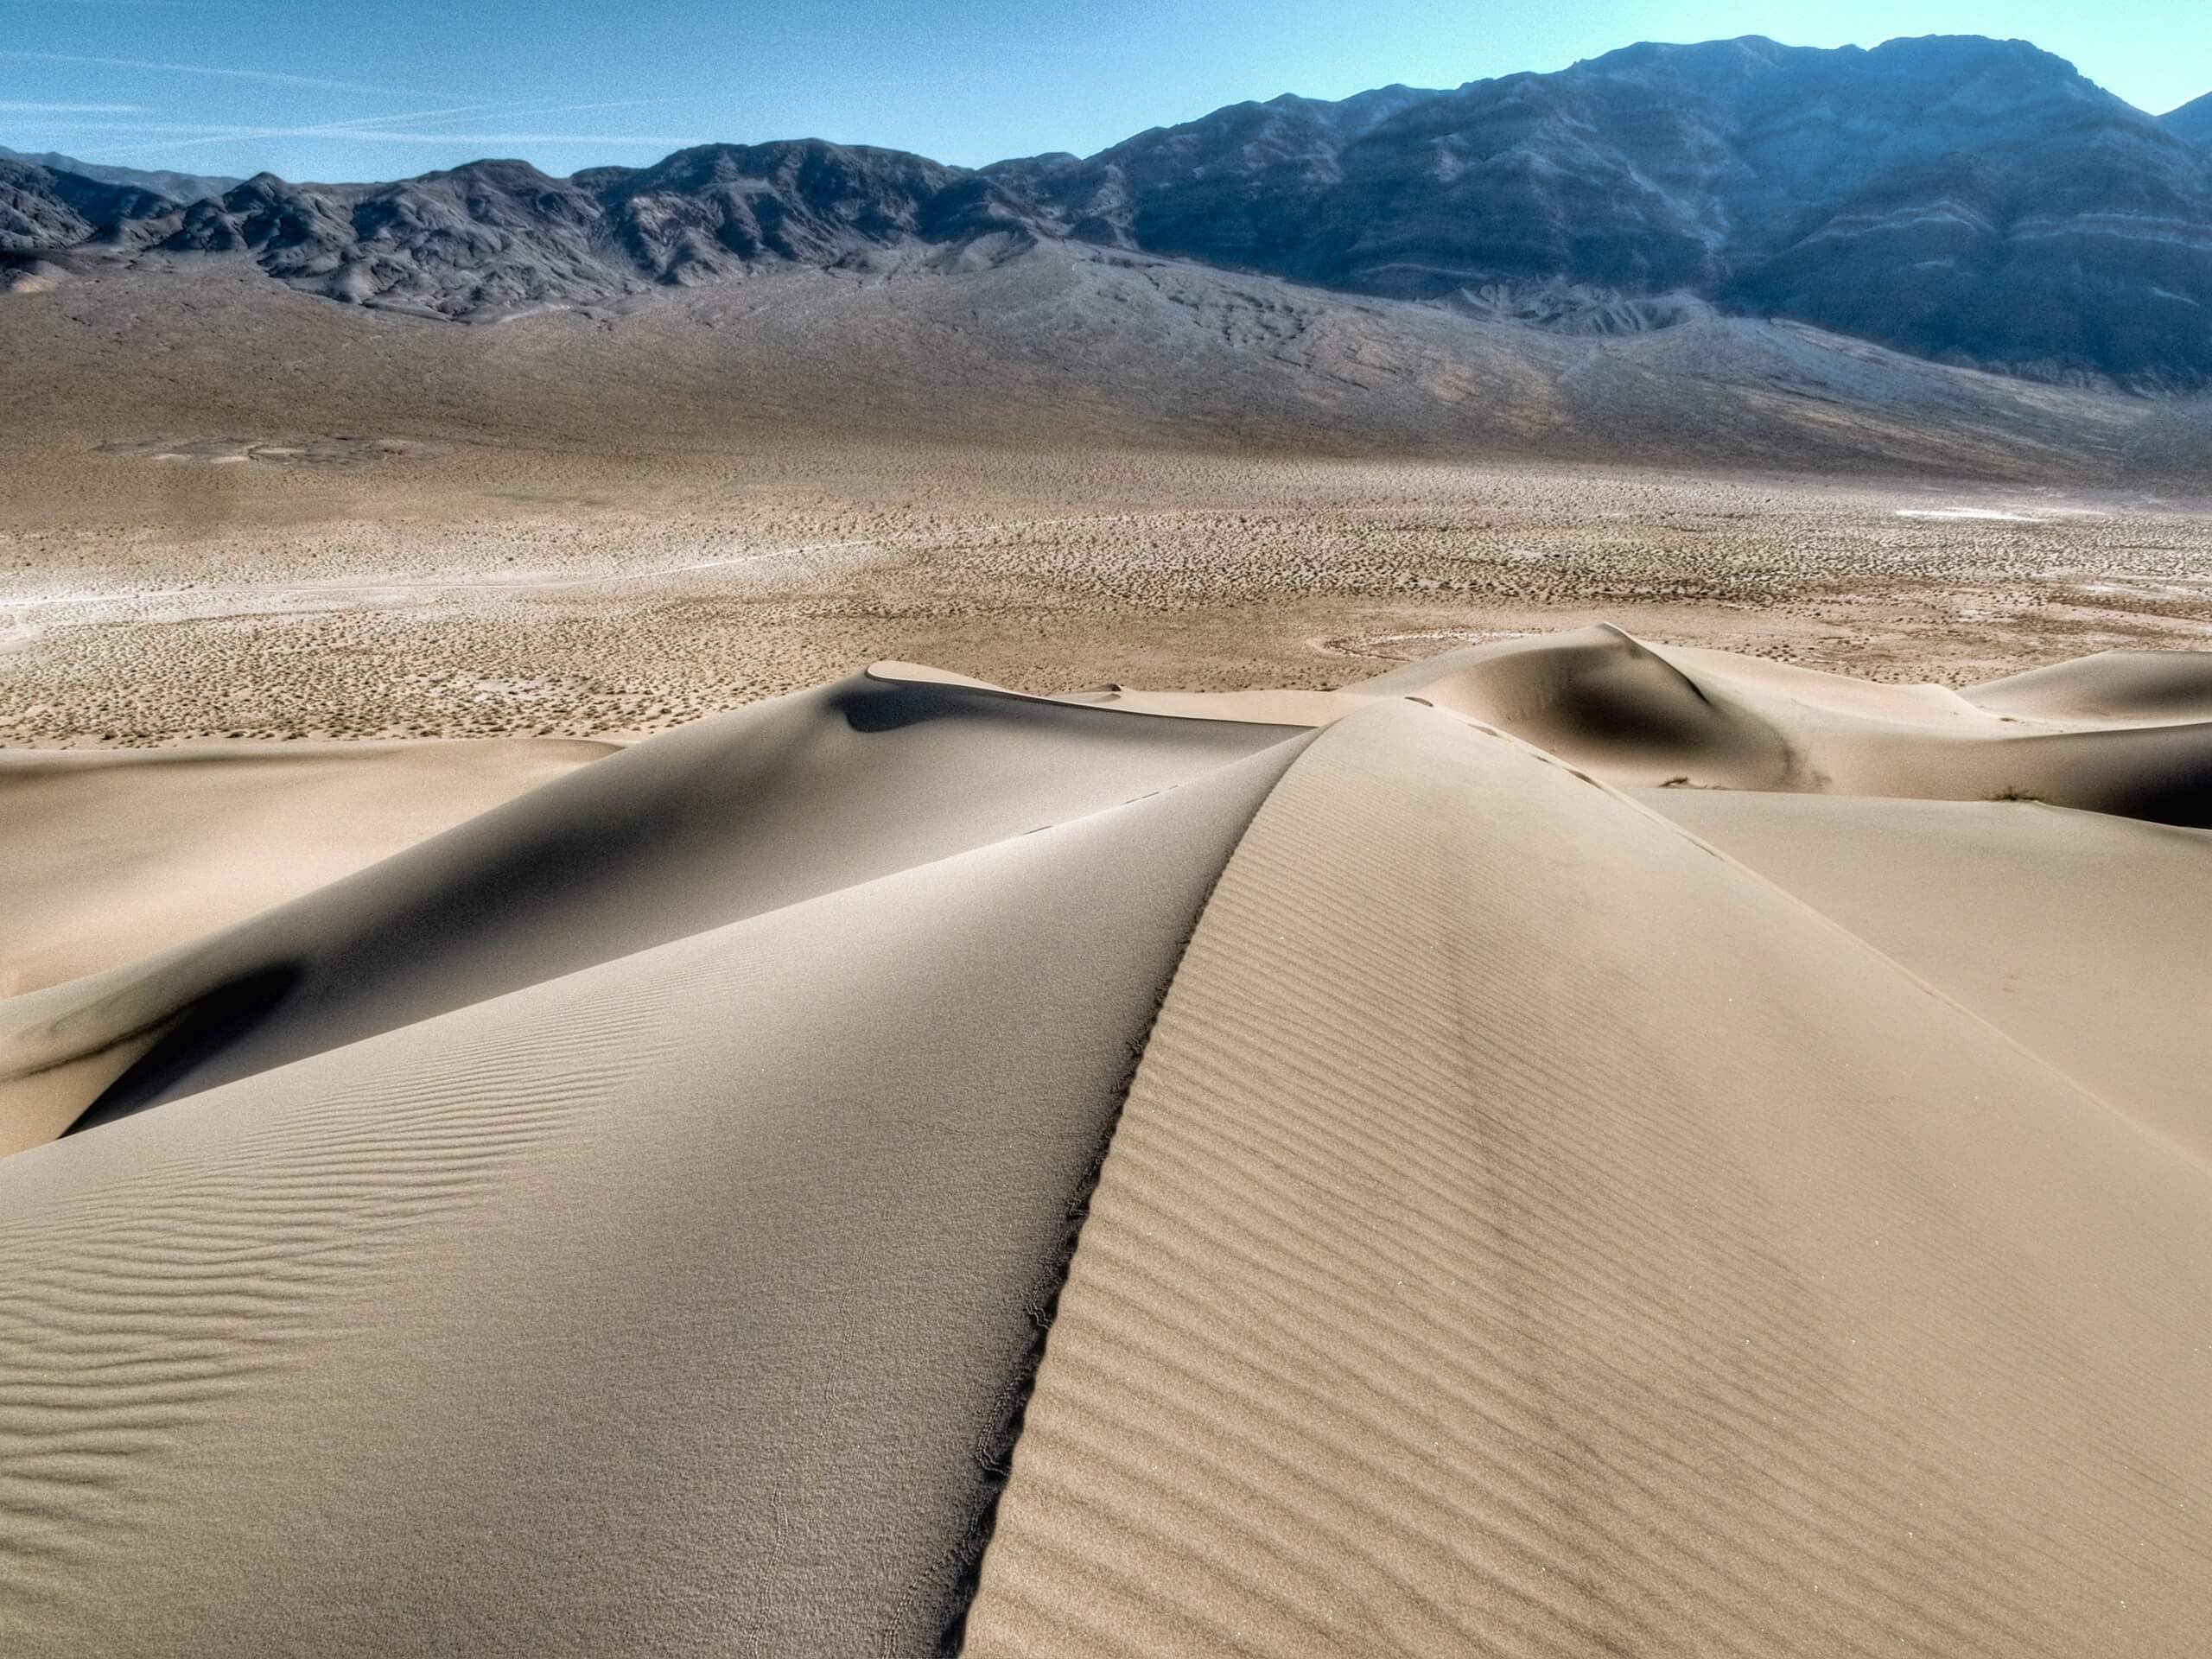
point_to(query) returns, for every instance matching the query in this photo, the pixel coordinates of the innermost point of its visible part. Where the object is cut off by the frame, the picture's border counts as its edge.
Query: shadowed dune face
(1604, 697)
(720, 820)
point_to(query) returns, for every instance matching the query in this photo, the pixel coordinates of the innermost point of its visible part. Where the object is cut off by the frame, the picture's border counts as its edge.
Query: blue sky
(314, 89)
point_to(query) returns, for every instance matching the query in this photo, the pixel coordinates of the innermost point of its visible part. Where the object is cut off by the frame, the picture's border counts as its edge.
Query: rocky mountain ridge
(1974, 201)
(177, 186)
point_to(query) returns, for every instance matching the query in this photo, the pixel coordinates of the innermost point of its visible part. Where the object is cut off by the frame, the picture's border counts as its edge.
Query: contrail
(372, 127)
(268, 76)
(12, 107)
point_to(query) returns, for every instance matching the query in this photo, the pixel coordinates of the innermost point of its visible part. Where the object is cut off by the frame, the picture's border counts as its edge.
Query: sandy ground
(1069, 470)
(1530, 1233)
(1559, 1015)
(121, 855)
(1603, 1146)
(422, 611)
(619, 1313)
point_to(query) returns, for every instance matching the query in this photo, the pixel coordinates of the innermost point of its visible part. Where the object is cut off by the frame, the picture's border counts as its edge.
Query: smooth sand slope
(2084, 937)
(680, 1305)
(1553, 1212)
(2118, 685)
(1529, 1232)
(118, 855)
(720, 820)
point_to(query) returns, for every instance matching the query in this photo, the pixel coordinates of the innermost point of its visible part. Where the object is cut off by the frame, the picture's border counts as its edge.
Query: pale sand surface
(681, 1304)
(1555, 1212)
(1530, 1232)
(2084, 937)
(116, 856)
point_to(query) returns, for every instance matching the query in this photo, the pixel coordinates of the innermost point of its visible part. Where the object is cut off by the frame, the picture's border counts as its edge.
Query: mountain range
(1973, 201)
(177, 186)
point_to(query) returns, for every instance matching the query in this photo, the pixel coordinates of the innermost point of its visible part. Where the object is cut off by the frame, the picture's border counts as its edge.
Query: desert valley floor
(1480, 994)
(443, 594)
(584, 527)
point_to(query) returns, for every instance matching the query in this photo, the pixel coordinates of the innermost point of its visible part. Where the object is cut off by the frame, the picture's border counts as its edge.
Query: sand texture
(1578, 1145)
(115, 856)
(677, 1305)
(2084, 937)
(720, 820)
(1529, 1232)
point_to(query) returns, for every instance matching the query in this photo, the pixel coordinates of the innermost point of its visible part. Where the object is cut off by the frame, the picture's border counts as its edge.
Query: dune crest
(2126, 733)
(1529, 1233)
(705, 1278)
(722, 819)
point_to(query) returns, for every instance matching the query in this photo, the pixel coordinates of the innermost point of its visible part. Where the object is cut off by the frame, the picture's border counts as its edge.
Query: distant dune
(1570, 1147)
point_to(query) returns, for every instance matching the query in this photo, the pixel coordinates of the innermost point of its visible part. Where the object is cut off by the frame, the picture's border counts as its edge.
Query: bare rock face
(42, 209)
(1236, 187)
(1961, 197)
(721, 206)
(809, 203)
(2025, 221)
(496, 238)
(491, 237)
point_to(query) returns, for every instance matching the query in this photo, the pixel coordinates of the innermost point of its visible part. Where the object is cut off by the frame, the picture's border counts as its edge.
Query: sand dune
(1529, 1233)
(115, 856)
(2082, 935)
(1602, 697)
(720, 820)
(1553, 1212)
(1645, 714)
(677, 1306)
(2128, 733)
(2119, 685)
